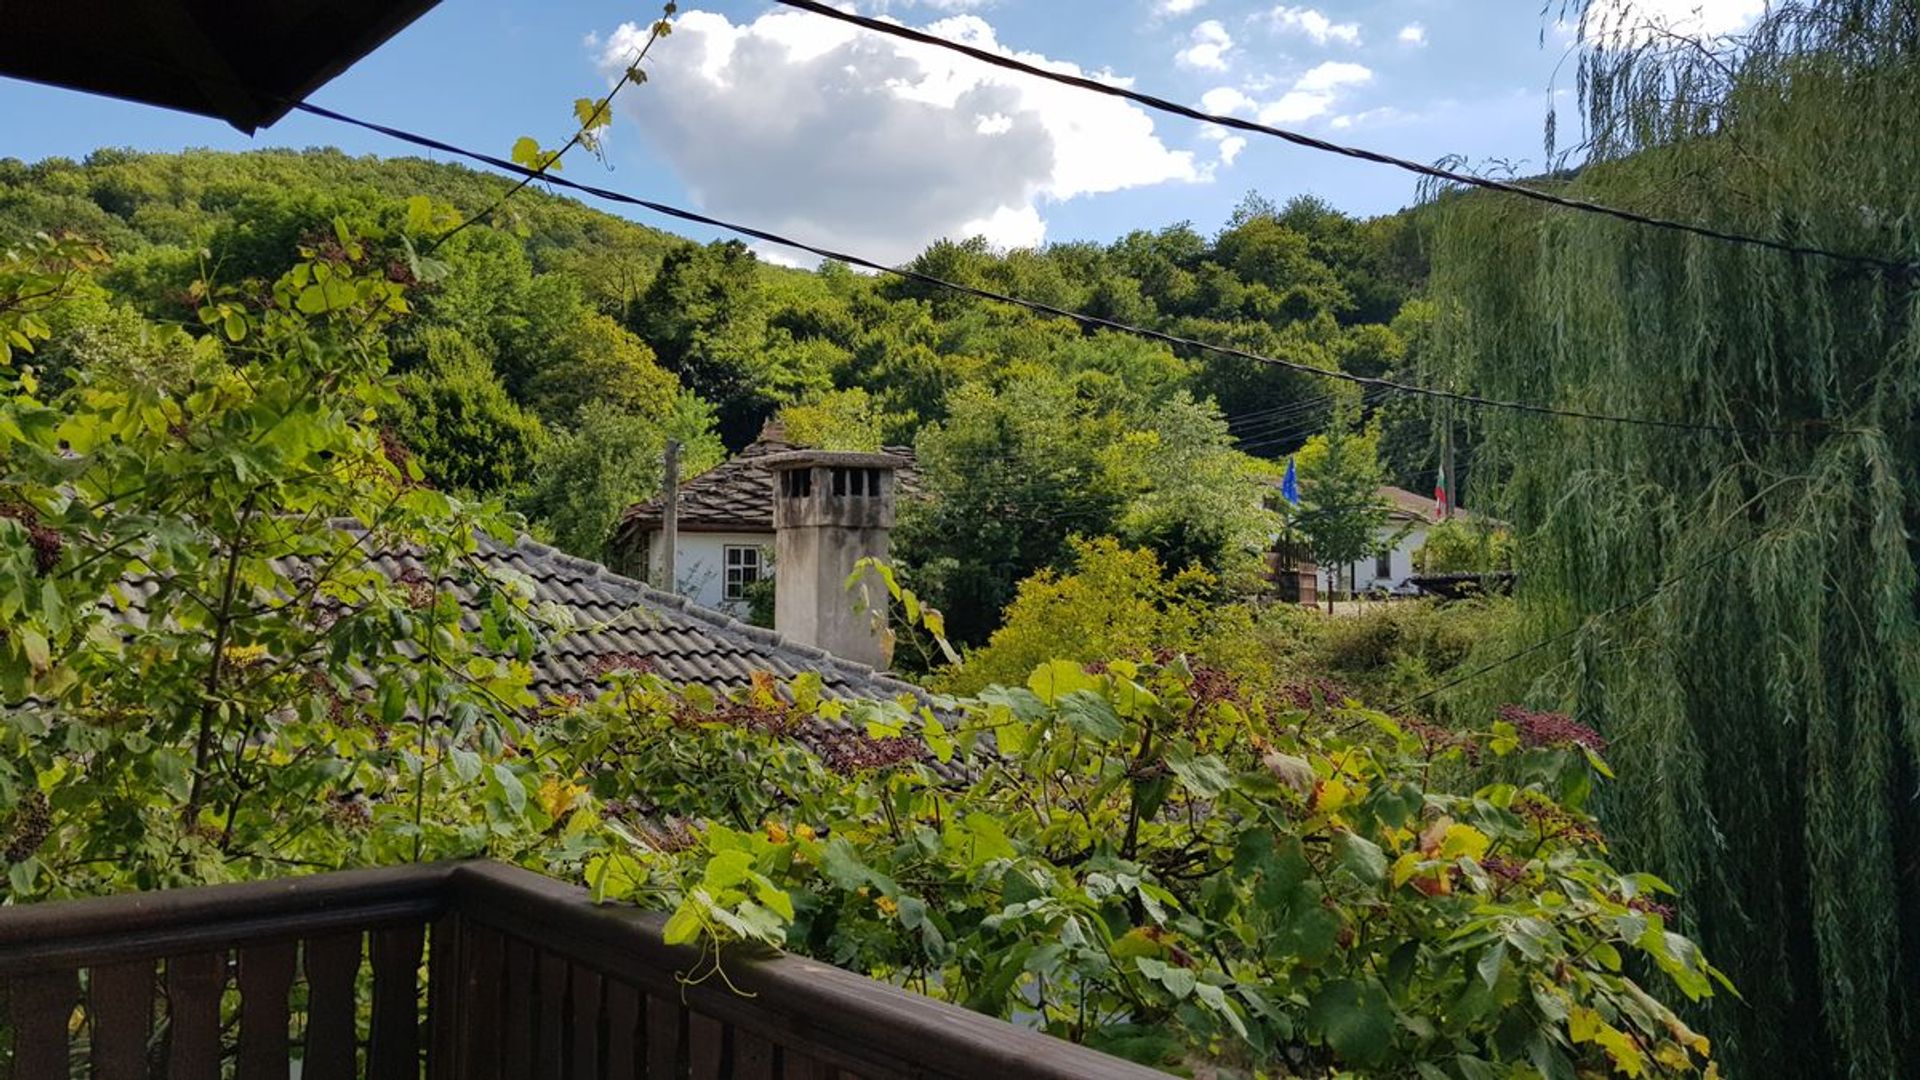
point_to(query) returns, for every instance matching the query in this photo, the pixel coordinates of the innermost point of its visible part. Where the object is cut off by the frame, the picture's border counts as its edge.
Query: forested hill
(562, 345)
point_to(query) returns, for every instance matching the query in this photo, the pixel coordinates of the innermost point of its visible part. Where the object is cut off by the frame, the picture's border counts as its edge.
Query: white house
(1404, 534)
(726, 526)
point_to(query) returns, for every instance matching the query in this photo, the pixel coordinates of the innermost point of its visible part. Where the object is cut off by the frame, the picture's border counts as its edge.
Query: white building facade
(1399, 541)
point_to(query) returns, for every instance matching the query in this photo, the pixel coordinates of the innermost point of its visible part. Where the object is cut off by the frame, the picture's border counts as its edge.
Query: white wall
(700, 566)
(1364, 572)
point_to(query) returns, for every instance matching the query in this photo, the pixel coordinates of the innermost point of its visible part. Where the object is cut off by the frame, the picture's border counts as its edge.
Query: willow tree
(1733, 596)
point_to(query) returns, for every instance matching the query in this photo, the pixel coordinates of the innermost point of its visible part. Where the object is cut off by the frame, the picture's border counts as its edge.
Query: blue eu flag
(1290, 487)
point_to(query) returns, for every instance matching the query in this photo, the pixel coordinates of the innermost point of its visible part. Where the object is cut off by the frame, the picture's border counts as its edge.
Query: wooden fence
(451, 971)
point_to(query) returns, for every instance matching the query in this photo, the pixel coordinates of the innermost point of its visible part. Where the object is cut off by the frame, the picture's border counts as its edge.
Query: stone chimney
(830, 510)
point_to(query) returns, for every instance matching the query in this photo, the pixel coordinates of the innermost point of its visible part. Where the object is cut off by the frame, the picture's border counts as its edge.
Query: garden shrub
(1135, 857)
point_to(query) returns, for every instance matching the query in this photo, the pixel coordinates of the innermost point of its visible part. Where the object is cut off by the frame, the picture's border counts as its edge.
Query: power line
(1381, 384)
(1890, 266)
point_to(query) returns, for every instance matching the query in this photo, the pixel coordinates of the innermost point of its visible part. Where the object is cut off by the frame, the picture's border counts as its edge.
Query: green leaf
(34, 644)
(683, 925)
(989, 840)
(1355, 1018)
(511, 787)
(727, 869)
(1055, 679)
(1215, 998)
(590, 114)
(1205, 775)
(1361, 857)
(1492, 963)
(1091, 715)
(527, 153)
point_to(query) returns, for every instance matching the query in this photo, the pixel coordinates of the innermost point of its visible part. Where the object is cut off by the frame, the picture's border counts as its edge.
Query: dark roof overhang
(245, 63)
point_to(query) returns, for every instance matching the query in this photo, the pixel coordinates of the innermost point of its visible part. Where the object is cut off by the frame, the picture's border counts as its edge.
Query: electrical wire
(1381, 384)
(1895, 267)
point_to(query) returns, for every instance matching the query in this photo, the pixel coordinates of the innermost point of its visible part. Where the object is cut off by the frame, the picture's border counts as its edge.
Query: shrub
(1145, 863)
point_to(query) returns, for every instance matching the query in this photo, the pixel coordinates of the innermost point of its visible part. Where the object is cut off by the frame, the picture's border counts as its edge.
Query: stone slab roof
(737, 495)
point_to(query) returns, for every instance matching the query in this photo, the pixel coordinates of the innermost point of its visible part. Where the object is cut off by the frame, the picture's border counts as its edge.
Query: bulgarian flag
(1440, 494)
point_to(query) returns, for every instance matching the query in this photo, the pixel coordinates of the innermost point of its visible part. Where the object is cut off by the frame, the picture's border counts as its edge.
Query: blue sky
(800, 124)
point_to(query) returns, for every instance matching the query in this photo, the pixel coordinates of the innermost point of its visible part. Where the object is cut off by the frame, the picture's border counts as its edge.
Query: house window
(796, 483)
(743, 569)
(1383, 564)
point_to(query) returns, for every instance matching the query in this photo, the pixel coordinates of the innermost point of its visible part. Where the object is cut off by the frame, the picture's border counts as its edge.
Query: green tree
(701, 316)
(1341, 511)
(593, 359)
(1458, 545)
(1766, 661)
(1197, 501)
(1007, 478)
(1114, 601)
(836, 420)
(608, 461)
(203, 656)
(453, 412)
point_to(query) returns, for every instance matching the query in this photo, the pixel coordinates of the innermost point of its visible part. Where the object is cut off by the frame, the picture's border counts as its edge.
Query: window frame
(748, 570)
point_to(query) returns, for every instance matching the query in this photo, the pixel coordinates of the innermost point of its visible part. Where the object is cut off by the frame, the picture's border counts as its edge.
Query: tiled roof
(1410, 504)
(618, 617)
(615, 618)
(737, 495)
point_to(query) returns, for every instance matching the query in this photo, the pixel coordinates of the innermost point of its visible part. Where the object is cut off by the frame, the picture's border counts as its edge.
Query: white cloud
(1312, 95)
(1333, 75)
(1230, 148)
(1225, 101)
(1631, 21)
(1211, 42)
(1177, 7)
(881, 6)
(1313, 25)
(1385, 114)
(813, 128)
(1413, 34)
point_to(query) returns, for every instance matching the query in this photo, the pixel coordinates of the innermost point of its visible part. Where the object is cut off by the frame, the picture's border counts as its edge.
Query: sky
(799, 124)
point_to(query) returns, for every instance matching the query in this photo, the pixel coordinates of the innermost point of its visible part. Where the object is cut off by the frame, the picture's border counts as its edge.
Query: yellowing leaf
(1405, 867)
(1688, 1037)
(1330, 795)
(1583, 1023)
(1056, 679)
(557, 795)
(1463, 840)
(1626, 1054)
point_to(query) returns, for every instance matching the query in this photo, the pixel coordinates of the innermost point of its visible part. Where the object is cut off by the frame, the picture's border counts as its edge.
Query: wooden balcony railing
(454, 971)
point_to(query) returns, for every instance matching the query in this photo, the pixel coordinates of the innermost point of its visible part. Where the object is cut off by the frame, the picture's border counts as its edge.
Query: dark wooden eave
(245, 63)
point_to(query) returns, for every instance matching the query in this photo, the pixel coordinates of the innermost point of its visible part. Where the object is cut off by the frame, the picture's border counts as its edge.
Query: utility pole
(669, 517)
